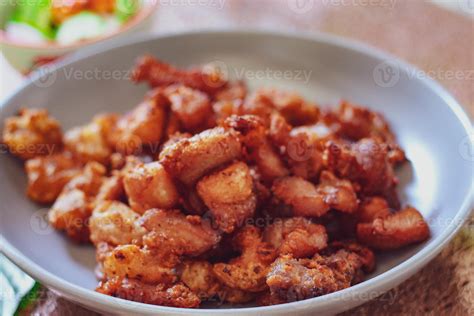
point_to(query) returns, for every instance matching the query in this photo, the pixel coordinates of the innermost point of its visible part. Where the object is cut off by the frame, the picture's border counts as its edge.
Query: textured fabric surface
(439, 42)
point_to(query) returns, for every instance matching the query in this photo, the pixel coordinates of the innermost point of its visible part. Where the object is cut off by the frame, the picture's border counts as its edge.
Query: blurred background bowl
(24, 57)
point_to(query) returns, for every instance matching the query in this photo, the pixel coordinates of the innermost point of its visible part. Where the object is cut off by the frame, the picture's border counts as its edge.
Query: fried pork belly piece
(102, 6)
(372, 208)
(365, 162)
(61, 10)
(292, 279)
(177, 295)
(190, 159)
(236, 90)
(301, 197)
(400, 229)
(339, 194)
(150, 186)
(91, 142)
(291, 105)
(143, 127)
(73, 207)
(158, 73)
(115, 223)
(357, 122)
(174, 234)
(248, 271)
(47, 175)
(366, 256)
(258, 146)
(229, 195)
(32, 133)
(296, 236)
(192, 107)
(200, 278)
(131, 261)
(112, 188)
(304, 152)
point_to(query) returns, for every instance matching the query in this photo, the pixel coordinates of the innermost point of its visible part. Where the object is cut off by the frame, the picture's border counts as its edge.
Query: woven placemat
(439, 42)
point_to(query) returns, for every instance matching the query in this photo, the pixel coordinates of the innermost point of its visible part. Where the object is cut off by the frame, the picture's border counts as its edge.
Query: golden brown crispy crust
(229, 194)
(174, 234)
(300, 196)
(91, 142)
(150, 186)
(177, 295)
(394, 231)
(132, 261)
(296, 279)
(115, 223)
(143, 127)
(47, 175)
(157, 73)
(190, 159)
(248, 271)
(200, 278)
(32, 133)
(338, 194)
(72, 209)
(191, 107)
(372, 208)
(296, 236)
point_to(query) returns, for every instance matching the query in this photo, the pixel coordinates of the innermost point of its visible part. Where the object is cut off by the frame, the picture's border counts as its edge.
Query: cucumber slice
(125, 9)
(35, 13)
(81, 26)
(25, 33)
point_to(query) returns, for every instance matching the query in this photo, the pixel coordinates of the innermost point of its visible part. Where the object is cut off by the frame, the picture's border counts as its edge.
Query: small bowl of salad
(37, 32)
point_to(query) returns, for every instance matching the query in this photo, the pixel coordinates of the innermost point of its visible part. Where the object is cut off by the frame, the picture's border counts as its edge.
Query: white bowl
(429, 123)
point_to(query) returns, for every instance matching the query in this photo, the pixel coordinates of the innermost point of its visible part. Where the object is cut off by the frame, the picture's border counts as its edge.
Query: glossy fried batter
(131, 261)
(73, 207)
(229, 195)
(175, 234)
(47, 175)
(115, 223)
(248, 271)
(90, 142)
(296, 236)
(400, 229)
(190, 159)
(157, 73)
(32, 133)
(150, 186)
(300, 197)
(176, 295)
